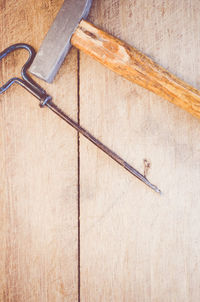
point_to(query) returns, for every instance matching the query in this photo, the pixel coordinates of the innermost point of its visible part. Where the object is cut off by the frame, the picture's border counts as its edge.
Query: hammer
(70, 29)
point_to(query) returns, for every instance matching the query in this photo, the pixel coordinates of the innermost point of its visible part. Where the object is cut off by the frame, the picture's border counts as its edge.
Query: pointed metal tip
(157, 190)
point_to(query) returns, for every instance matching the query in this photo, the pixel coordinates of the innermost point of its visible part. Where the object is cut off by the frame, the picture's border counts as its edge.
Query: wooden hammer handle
(135, 66)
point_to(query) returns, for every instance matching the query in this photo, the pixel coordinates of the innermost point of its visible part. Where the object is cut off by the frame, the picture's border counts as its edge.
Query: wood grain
(38, 170)
(135, 245)
(130, 63)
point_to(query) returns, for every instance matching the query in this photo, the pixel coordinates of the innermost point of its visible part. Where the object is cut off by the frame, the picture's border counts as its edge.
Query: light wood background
(129, 244)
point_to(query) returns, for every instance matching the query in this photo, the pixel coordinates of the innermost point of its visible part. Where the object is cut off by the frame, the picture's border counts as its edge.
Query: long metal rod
(51, 105)
(46, 100)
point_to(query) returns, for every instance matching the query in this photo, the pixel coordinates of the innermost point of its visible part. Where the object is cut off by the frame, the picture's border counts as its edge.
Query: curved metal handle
(27, 82)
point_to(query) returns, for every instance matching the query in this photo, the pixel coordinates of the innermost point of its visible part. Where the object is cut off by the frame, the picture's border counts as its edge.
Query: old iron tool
(46, 100)
(70, 29)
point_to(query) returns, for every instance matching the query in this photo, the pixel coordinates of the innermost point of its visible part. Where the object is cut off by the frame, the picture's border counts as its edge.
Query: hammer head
(57, 41)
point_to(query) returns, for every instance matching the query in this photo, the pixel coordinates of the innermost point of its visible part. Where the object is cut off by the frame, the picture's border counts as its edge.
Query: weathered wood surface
(134, 66)
(134, 244)
(38, 164)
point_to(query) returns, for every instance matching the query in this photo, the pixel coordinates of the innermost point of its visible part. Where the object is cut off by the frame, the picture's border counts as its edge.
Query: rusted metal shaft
(51, 105)
(46, 100)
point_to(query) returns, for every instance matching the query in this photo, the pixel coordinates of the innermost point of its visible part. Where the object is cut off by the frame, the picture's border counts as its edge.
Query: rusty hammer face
(57, 44)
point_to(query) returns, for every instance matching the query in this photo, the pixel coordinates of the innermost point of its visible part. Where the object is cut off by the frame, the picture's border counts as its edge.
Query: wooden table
(130, 244)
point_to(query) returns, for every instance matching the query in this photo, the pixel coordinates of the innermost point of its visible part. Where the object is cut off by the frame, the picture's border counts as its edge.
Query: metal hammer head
(57, 41)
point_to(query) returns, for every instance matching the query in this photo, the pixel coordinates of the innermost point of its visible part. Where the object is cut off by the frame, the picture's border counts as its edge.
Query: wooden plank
(136, 245)
(38, 179)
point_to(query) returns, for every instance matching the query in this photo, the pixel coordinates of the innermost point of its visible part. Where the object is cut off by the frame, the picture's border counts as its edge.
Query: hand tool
(70, 29)
(46, 100)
